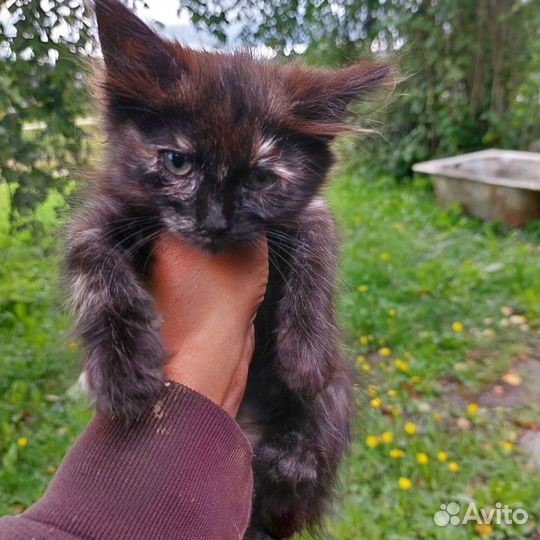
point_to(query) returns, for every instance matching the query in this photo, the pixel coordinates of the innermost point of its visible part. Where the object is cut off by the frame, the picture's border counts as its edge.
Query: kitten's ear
(321, 98)
(137, 60)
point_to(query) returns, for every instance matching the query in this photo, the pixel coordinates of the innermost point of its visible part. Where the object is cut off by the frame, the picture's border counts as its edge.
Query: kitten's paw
(288, 459)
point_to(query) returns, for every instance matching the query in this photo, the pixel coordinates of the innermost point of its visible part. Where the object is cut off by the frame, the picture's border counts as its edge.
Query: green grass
(420, 269)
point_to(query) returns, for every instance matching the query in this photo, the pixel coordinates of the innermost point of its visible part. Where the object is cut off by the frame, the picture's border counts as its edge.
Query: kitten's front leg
(307, 334)
(115, 318)
(306, 391)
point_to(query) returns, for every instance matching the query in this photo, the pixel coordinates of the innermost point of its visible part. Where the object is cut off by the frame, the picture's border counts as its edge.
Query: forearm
(181, 471)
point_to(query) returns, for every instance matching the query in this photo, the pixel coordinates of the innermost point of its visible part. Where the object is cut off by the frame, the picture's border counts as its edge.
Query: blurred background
(440, 308)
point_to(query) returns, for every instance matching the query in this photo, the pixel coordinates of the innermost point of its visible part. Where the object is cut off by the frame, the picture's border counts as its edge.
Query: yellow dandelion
(404, 483)
(437, 416)
(457, 327)
(397, 453)
(366, 367)
(364, 340)
(401, 365)
(392, 393)
(392, 312)
(394, 411)
(472, 409)
(415, 379)
(73, 345)
(22, 442)
(385, 257)
(375, 403)
(453, 467)
(387, 437)
(484, 530)
(410, 428)
(385, 351)
(360, 359)
(372, 391)
(363, 288)
(442, 456)
(507, 446)
(372, 441)
(422, 458)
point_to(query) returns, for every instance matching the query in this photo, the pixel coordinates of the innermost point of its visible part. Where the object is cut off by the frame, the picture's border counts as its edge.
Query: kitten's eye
(260, 180)
(177, 164)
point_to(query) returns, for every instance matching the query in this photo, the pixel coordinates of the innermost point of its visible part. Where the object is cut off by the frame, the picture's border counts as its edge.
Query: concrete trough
(501, 185)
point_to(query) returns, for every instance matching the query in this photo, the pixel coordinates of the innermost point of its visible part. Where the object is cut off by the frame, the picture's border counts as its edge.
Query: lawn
(440, 316)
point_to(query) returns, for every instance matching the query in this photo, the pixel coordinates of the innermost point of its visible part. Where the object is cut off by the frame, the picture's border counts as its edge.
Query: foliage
(410, 270)
(471, 68)
(41, 86)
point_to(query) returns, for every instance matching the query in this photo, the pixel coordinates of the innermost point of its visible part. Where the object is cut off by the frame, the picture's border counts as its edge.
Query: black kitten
(219, 148)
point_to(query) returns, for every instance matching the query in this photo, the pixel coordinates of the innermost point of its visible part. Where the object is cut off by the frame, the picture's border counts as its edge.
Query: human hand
(208, 303)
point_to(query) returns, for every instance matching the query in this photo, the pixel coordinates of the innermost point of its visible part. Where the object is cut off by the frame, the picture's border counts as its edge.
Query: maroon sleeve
(182, 471)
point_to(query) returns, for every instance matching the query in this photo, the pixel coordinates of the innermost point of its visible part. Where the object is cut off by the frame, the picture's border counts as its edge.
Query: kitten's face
(220, 174)
(225, 145)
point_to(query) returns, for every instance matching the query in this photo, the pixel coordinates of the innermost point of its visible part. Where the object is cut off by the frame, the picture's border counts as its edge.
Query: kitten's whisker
(293, 242)
(131, 250)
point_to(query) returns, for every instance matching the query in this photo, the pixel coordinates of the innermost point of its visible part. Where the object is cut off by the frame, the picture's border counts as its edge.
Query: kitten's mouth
(215, 245)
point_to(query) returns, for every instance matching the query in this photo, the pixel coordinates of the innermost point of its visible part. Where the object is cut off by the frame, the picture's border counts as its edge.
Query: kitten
(218, 149)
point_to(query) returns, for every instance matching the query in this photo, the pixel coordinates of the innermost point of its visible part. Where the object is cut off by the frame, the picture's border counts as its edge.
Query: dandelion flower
(404, 483)
(421, 458)
(415, 379)
(385, 351)
(364, 340)
(410, 428)
(22, 442)
(472, 409)
(507, 446)
(394, 411)
(372, 441)
(453, 466)
(363, 288)
(457, 327)
(442, 456)
(392, 312)
(375, 403)
(401, 365)
(392, 393)
(73, 345)
(366, 367)
(385, 257)
(387, 437)
(484, 530)
(437, 416)
(397, 453)
(360, 359)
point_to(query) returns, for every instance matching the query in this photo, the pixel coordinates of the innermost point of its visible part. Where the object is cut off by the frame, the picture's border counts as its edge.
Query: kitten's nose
(215, 221)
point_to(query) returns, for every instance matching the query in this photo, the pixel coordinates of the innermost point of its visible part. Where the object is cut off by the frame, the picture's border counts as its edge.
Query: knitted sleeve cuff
(181, 471)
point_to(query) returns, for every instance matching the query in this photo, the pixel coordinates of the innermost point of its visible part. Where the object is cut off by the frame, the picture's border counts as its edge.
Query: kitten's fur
(240, 120)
